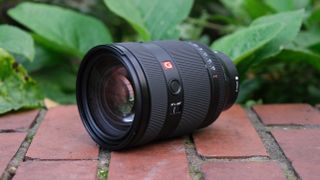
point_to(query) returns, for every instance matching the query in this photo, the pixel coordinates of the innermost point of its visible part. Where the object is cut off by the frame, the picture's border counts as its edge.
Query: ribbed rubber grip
(196, 84)
(157, 89)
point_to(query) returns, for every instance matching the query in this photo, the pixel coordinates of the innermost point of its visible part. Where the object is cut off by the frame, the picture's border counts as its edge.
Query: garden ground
(264, 142)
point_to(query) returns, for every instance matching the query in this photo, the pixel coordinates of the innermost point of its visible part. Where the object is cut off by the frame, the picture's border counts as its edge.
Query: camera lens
(118, 95)
(129, 94)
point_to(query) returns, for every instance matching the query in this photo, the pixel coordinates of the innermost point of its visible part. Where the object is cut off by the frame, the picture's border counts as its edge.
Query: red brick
(298, 114)
(302, 147)
(9, 145)
(232, 135)
(243, 170)
(38, 170)
(61, 135)
(162, 160)
(18, 120)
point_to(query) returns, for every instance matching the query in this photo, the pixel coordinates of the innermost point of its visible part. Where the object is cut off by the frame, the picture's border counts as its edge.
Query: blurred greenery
(274, 43)
(152, 19)
(17, 41)
(17, 88)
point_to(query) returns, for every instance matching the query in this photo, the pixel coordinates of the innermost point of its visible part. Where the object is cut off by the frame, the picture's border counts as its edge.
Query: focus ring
(157, 90)
(220, 85)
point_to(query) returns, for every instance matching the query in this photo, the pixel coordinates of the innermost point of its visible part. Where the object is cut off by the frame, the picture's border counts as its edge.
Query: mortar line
(3, 131)
(14, 163)
(292, 126)
(103, 164)
(235, 158)
(194, 160)
(272, 146)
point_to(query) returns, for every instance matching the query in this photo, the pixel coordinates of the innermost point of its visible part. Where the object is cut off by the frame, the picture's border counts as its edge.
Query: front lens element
(119, 95)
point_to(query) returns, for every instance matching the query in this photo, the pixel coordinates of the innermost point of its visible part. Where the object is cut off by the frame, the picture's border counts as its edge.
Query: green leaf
(236, 7)
(243, 43)
(308, 39)
(282, 5)
(153, 20)
(246, 9)
(17, 89)
(256, 8)
(16, 41)
(287, 5)
(58, 82)
(299, 4)
(291, 54)
(43, 58)
(291, 21)
(61, 29)
(314, 19)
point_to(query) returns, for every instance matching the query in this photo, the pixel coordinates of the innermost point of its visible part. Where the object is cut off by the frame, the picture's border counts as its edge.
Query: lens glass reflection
(118, 95)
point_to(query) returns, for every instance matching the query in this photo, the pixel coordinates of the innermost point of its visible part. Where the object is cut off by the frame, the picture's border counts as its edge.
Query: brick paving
(302, 147)
(286, 114)
(243, 170)
(54, 170)
(62, 136)
(152, 161)
(10, 142)
(17, 121)
(55, 145)
(232, 135)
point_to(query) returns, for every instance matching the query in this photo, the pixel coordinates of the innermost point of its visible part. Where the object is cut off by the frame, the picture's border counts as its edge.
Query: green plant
(275, 44)
(16, 41)
(289, 54)
(152, 20)
(17, 88)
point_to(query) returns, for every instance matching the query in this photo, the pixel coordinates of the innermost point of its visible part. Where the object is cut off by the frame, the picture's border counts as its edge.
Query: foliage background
(275, 44)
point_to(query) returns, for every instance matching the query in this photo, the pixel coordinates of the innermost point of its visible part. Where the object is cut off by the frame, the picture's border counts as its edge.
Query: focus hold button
(175, 87)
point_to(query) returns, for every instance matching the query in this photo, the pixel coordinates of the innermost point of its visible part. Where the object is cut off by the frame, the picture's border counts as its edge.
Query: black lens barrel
(178, 87)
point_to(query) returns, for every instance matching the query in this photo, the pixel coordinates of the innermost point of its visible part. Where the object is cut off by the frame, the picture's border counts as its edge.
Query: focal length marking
(208, 61)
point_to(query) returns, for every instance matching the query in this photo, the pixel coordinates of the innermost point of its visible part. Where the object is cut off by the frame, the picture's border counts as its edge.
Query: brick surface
(162, 160)
(232, 135)
(9, 144)
(61, 135)
(52, 170)
(18, 120)
(277, 114)
(302, 147)
(243, 170)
